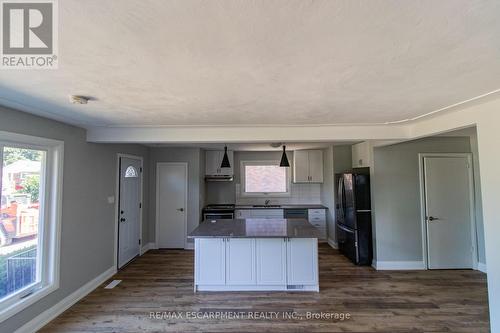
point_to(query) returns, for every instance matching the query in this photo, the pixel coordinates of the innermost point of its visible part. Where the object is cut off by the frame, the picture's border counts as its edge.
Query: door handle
(180, 209)
(122, 219)
(432, 218)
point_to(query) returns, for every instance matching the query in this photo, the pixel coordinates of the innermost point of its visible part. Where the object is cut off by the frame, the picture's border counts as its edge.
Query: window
(29, 219)
(131, 172)
(264, 178)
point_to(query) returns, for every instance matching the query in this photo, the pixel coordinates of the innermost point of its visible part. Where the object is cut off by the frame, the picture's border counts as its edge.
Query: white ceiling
(262, 62)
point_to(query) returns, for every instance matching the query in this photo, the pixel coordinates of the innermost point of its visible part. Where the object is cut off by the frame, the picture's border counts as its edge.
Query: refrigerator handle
(341, 196)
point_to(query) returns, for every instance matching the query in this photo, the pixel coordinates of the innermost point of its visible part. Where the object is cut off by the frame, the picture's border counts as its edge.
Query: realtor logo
(29, 34)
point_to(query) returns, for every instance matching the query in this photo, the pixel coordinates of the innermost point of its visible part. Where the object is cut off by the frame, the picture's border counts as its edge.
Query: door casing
(157, 213)
(117, 204)
(472, 218)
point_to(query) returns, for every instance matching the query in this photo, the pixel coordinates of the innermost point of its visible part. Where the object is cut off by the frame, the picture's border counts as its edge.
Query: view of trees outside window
(19, 217)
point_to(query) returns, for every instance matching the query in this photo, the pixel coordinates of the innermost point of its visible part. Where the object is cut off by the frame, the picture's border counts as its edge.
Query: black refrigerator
(353, 218)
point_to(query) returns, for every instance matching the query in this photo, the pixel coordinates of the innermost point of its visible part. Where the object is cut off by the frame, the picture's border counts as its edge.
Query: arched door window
(131, 172)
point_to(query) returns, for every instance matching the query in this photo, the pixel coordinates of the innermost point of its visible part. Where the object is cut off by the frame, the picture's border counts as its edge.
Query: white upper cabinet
(361, 155)
(213, 161)
(308, 166)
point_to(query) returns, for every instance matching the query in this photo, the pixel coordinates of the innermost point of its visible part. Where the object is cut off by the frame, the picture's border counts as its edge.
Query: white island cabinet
(271, 261)
(210, 259)
(246, 264)
(256, 254)
(240, 261)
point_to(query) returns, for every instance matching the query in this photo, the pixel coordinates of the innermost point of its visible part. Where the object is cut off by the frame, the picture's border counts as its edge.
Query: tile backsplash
(300, 194)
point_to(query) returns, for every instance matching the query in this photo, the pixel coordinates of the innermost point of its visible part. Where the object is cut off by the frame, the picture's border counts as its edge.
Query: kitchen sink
(267, 206)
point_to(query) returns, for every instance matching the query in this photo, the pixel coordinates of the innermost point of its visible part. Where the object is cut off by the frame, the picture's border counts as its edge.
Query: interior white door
(129, 210)
(171, 182)
(448, 212)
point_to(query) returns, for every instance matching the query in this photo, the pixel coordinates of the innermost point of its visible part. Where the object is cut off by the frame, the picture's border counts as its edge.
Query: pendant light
(284, 159)
(225, 160)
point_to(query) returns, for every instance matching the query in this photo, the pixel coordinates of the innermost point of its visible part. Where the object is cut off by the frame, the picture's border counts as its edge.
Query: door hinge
(140, 204)
(139, 242)
(140, 169)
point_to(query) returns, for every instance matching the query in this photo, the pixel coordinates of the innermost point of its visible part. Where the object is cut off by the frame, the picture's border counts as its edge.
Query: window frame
(264, 194)
(48, 248)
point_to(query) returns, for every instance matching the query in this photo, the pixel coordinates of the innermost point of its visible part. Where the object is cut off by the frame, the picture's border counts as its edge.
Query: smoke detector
(275, 144)
(76, 99)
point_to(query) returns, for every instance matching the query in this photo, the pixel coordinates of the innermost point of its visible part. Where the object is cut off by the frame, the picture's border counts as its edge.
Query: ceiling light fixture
(284, 159)
(225, 160)
(76, 99)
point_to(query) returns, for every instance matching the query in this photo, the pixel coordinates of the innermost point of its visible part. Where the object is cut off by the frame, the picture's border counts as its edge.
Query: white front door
(129, 210)
(171, 204)
(448, 212)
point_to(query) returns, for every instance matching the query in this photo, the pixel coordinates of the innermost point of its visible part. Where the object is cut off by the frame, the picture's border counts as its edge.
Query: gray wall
(193, 158)
(87, 219)
(396, 190)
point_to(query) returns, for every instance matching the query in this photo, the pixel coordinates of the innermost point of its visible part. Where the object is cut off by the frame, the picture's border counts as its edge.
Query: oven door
(218, 216)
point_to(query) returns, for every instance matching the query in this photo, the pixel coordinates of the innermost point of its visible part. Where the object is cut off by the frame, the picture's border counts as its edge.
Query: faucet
(267, 202)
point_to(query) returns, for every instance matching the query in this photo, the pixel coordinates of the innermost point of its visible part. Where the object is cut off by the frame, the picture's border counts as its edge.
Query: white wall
(481, 251)
(88, 220)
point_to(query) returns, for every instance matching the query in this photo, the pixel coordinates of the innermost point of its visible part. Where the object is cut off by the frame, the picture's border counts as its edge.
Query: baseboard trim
(147, 247)
(482, 267)
(398, 265)
(48, 315)
(333, 244)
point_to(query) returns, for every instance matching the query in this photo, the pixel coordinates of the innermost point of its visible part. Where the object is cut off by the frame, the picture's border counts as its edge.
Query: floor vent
(295, 287)
(112, 284)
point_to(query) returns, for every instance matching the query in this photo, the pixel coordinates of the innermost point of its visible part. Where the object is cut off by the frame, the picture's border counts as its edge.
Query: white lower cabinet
(210, 261)
(240, 261)
(302, 261)
(271, 261)
(232, 264)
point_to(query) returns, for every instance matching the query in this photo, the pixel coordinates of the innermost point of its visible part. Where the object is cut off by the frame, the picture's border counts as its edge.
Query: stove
(218, 212)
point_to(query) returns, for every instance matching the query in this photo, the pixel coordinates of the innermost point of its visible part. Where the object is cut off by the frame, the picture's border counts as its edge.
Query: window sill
(263, 195)
(27, 301)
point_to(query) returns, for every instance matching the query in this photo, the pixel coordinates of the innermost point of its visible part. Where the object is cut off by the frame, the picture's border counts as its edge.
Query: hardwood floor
(403, 301)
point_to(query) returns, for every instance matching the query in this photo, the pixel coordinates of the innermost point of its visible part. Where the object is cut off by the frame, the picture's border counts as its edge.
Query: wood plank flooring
(402, 301)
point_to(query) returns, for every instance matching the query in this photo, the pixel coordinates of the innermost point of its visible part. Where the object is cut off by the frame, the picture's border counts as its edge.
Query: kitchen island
(256, 255)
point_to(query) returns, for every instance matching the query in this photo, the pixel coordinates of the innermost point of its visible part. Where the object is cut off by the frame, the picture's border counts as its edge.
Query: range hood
(219, 178)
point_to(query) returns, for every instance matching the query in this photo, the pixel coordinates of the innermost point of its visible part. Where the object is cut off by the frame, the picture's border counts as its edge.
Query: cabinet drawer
(320, 212)
(317, 218)
(318, 224)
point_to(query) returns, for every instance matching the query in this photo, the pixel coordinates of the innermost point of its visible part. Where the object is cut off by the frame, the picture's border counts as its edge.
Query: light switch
(111, 199)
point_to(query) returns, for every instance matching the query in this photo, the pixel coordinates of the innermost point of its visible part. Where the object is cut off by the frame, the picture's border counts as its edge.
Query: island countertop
(256, 228)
